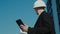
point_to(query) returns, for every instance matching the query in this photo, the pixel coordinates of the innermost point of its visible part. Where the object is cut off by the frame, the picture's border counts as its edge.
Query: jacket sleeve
(45, 28)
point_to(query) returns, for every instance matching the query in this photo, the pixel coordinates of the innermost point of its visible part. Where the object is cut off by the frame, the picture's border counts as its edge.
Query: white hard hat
(39, 4)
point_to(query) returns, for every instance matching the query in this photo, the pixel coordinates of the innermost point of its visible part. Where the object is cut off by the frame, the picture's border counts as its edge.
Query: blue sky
(11, 10)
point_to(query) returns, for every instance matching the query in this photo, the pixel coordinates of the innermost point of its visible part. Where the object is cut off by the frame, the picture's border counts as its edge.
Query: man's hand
(24, 28)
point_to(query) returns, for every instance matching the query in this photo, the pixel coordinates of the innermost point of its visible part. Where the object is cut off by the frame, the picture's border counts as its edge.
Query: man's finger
(22, 26)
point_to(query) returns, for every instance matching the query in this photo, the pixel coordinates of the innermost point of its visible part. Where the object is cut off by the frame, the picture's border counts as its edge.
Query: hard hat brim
(39, 7)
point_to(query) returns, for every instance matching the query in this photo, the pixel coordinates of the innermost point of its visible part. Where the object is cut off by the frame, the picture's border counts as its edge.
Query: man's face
(39, 10)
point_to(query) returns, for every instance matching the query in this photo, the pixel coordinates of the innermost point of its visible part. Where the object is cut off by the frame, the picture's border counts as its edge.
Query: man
(44, 24)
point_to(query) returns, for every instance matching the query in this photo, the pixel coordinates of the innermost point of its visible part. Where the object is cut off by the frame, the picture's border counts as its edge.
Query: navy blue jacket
(44, 25)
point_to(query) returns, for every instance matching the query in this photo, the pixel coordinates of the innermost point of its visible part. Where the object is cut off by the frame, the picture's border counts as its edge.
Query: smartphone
(19, 22)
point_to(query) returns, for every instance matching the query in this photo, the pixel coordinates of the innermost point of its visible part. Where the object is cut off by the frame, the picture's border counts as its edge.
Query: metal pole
(55, 16)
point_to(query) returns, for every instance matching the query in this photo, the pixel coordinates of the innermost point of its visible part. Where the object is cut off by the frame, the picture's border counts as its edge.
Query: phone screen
(19, 22)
